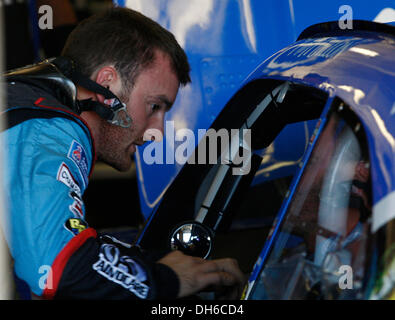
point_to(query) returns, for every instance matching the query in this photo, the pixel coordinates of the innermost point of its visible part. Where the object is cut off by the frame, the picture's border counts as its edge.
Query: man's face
(153, 93)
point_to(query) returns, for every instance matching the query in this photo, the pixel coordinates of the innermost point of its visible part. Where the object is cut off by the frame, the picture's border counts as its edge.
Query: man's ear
(107, 77)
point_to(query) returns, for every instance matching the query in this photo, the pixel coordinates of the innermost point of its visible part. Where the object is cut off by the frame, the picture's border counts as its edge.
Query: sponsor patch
(64, 175)
(75, 226)
(122, 270)
(77, 205)
(75, 196)
(76, 209)
(78, 155)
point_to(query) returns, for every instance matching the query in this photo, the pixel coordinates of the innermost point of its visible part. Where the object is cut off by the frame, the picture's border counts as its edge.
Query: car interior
(233, 213)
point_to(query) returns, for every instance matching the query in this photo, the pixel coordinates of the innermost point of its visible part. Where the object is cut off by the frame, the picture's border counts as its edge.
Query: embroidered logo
(77, 206)
(75, 225)
(78, 155)
(122, 270)
(64, 175)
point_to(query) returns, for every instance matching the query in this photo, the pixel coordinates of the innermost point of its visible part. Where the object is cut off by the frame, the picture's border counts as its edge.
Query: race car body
(333, 236)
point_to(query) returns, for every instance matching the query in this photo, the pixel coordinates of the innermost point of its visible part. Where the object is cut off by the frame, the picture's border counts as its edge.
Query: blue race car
(334, 234)
(225, 41)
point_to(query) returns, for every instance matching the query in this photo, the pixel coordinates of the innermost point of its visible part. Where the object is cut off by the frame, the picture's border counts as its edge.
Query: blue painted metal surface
(225, 40)
(360, 70)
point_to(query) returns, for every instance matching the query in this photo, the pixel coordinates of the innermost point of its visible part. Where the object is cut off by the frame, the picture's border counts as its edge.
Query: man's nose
(155, 131)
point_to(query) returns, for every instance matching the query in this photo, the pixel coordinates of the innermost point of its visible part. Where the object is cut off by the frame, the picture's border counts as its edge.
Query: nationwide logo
(122, 270)
(78, 155)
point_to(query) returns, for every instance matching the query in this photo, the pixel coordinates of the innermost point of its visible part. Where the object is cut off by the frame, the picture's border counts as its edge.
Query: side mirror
(192, 238)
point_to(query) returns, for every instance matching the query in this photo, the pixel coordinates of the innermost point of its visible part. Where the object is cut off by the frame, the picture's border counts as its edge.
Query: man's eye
(155, 106)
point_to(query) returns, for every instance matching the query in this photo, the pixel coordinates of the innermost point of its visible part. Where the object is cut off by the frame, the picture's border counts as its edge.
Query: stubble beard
(114, 146)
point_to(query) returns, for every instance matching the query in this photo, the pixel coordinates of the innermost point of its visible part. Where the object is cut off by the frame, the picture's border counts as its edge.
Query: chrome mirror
(192, 238)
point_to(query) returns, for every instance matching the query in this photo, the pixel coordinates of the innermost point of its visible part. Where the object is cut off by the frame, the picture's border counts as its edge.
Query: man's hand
(196, 274)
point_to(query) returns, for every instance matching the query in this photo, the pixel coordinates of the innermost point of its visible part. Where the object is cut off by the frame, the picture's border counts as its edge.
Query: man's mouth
(134, 145)
(138, 144)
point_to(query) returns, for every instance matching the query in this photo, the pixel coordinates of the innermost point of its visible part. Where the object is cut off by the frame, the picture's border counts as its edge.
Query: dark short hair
(128, 40)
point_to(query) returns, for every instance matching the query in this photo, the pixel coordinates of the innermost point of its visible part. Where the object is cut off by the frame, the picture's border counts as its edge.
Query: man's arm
(104, 268)
(49, 230)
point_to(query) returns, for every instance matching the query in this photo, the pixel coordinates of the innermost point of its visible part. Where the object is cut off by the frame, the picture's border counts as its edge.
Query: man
(125, 71)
